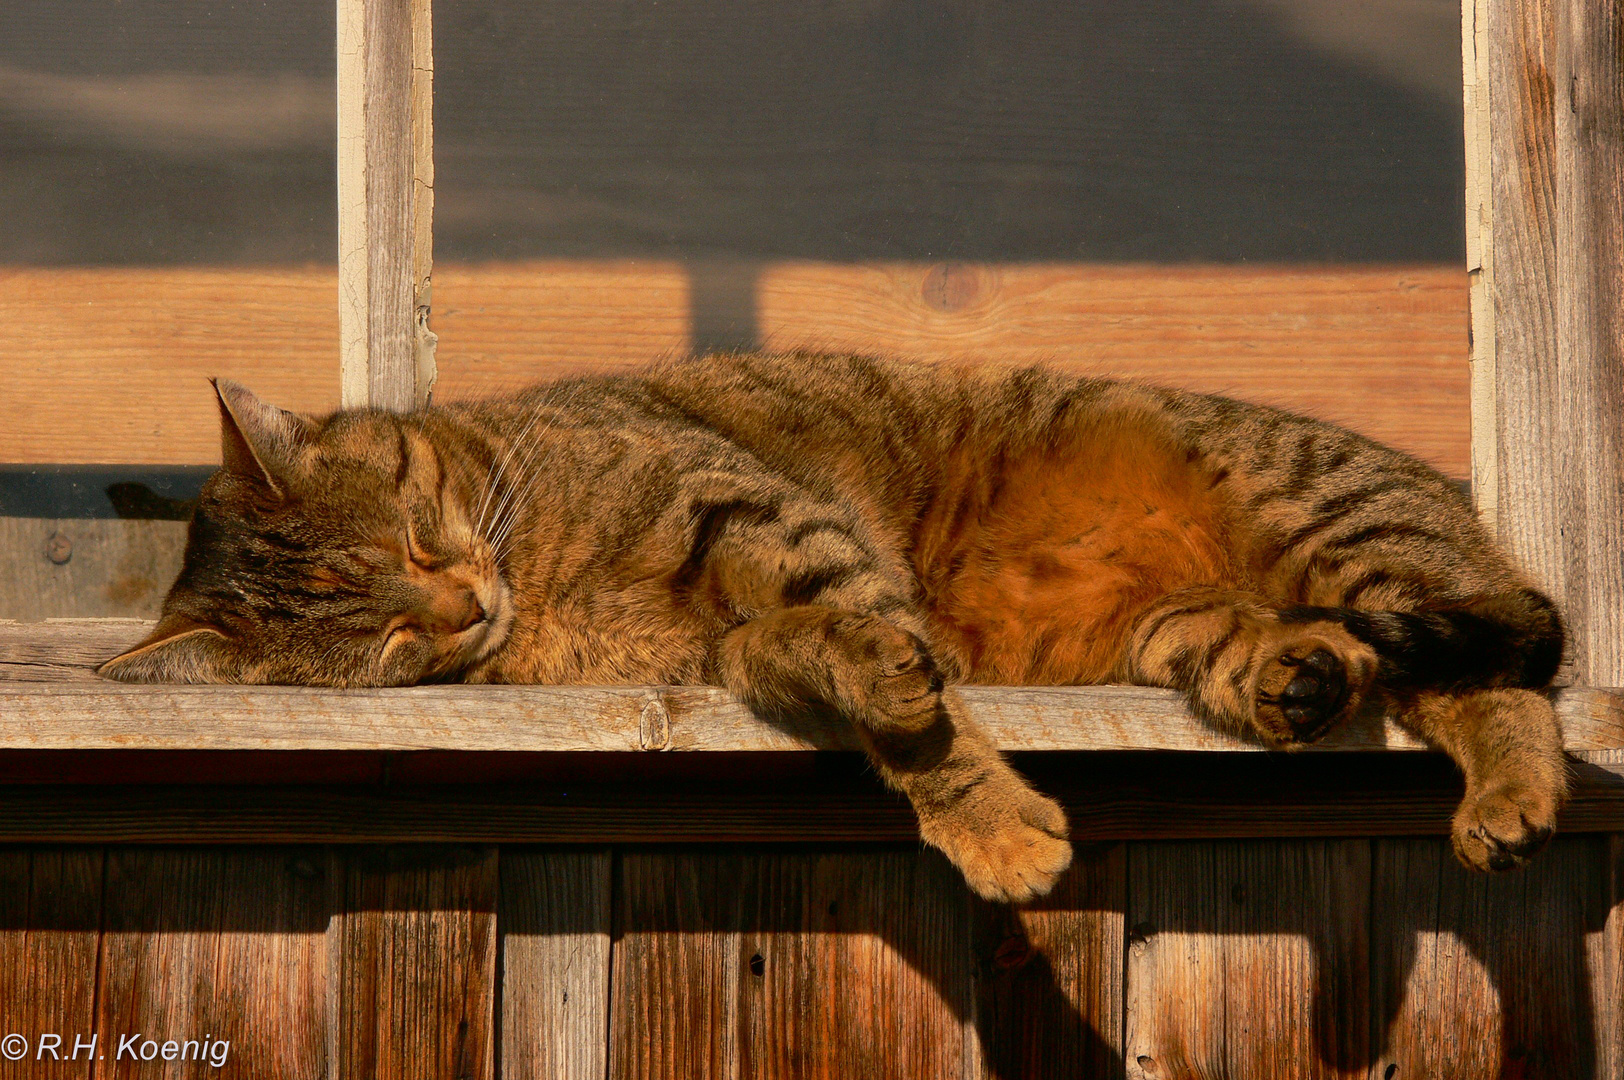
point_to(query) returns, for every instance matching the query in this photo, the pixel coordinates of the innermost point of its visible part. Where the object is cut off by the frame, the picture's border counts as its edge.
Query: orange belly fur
(1036, 564)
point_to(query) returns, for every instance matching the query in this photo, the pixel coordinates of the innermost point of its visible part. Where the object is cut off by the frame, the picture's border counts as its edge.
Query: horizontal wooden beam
(76, 711)
(1382, 348)
(1107, 797)
(532, 719)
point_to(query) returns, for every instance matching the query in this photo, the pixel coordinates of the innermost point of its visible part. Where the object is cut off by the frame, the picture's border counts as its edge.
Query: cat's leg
(1509, 746)
(1245, 666)
(1291, 673)
(821, 613)
(1007, 840)
(1466, 675)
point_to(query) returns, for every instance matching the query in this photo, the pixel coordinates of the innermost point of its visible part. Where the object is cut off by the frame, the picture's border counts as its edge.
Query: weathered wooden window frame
(1545, 249)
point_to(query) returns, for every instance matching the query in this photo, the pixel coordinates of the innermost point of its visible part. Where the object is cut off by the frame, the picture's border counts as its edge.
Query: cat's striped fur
(852, 534)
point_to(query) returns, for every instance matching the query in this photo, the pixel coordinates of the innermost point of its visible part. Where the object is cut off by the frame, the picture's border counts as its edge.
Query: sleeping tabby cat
(853, 534)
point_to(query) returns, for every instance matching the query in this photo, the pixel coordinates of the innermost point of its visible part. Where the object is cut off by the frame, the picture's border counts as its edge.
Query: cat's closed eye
(400, 631)
(416, 554)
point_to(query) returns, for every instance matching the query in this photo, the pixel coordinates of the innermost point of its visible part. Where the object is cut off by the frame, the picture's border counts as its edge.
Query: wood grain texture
(676, 966)
(503, 325)
(554, 926)
(424, 341)
(1486, 976)
(1049, 988)
(791, 965)
(385, 201)
(1313, 337)
(113, 568)
(112, 366)
(1520, 249)
(1604, 959)
(214, 943)
(84, 716)
(414, 964)
(1479, 131)
(1589, 115)
(354, 265)
(1550, 399)
(49, 652)
(1248, 959)
(50, 925)
(855, 964)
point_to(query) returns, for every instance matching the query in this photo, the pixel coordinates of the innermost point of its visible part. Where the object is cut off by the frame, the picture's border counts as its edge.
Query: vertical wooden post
(1545, 236)
(385, 201)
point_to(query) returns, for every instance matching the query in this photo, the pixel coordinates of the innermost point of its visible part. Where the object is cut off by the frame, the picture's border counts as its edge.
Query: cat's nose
(473, 614)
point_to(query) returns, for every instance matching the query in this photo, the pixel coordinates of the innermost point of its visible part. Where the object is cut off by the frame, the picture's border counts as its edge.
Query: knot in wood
(1012, 952)
(58, 548)
(951, 286)
(654, 725)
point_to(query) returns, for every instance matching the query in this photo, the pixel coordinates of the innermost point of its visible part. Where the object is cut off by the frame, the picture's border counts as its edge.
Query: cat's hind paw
(1500, 827)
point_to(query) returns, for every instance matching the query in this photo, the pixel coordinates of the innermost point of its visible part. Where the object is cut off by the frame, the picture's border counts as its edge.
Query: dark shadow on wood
(248, 797)
(1029, 1026)
(1526, 929)
(1017, 976)
(722, 305)
(774, 904)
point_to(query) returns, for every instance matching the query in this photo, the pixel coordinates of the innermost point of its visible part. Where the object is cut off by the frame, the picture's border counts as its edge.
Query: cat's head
(339, 552)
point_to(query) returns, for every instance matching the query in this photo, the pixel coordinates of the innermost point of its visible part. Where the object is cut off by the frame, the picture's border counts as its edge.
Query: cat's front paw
(1008, 841)
(1309, 677)
(1500, 825)
(890, 673)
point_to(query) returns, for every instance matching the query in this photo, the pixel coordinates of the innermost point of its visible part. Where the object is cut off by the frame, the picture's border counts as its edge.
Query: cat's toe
(891, 672)
(1016, 856)
(1315, 694)
(1501, 827)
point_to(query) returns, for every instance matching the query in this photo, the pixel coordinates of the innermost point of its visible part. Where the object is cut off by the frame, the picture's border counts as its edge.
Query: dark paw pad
(1315, 695)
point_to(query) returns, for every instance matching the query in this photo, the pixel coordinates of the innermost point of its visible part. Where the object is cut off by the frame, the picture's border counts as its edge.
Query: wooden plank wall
(87, 567)
(1279, 958)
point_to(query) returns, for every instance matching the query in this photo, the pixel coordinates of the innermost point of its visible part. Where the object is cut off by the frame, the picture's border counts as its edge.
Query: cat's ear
(260, 442)
(179, 650)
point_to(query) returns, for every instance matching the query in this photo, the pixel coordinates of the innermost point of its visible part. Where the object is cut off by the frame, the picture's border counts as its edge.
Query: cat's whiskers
(507, 458)
(503, 535)
(493, 480)
(498, 470)
(503, 532)
(513, 499)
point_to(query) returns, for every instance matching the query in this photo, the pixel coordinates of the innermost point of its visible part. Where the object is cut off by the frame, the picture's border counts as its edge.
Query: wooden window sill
(51, 699)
